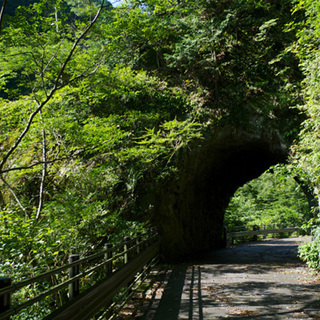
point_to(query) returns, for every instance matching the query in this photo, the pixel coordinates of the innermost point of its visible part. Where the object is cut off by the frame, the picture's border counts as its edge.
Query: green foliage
(305, 159)
(145, 82)
(230, 51)
(269, 199)
(108, 133)
(307, 49)
(309, 252)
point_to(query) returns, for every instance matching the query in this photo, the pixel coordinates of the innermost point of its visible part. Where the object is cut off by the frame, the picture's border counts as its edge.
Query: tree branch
(51, 93)
(4, 4)
(13, 193)
(44, 172)
(75, 153)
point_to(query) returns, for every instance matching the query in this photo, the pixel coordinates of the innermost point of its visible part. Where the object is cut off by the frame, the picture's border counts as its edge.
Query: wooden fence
(117, 266)
(241, 231)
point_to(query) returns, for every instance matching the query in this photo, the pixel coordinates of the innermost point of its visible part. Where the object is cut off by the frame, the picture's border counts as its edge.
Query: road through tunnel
(189, 211)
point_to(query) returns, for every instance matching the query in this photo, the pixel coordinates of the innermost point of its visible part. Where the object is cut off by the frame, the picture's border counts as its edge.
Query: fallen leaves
(245, 312)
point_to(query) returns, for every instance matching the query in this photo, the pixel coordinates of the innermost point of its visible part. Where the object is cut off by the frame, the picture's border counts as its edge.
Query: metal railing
(242, 231)
(103, 265)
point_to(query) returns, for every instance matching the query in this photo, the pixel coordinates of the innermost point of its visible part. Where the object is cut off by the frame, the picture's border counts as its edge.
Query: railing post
(5, 298)
(138, 243)
(225, 237)
(108, 256)
(148, 236)
(143, 244)
(126, 249)
(74, 287)
(255, 228)
(151, 234)
(273, 227)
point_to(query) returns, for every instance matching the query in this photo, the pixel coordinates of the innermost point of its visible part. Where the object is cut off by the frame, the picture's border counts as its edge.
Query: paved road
(262, 280)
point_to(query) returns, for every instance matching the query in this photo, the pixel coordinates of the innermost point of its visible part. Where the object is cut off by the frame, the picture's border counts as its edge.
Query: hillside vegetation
(97, 102)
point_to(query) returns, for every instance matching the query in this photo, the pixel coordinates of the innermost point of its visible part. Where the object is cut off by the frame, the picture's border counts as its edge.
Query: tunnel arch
(189, 210)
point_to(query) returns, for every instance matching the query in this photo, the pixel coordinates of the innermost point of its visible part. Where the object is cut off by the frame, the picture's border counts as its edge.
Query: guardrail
(242, 231)
(114, 268)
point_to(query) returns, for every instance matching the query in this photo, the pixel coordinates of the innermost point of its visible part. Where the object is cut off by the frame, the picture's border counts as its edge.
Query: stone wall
(189, 210)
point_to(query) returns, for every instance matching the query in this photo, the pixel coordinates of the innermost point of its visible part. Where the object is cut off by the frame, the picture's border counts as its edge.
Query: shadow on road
(177, 299)
(254, 281)
(170, 302)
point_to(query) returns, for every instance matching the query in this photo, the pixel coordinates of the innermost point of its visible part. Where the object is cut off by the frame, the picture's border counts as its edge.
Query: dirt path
(262, 280)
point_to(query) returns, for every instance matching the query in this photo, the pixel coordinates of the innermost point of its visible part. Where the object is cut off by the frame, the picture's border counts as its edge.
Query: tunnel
(189, 210)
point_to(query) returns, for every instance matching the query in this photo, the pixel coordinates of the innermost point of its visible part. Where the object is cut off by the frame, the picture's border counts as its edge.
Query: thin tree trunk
(56, 18)
(14, 194)
(44, 172)
(40, 105)
(3, 8)
(54, 89)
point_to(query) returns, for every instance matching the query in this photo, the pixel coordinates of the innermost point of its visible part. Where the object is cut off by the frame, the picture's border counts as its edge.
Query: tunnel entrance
(189, 209)
(274, 198)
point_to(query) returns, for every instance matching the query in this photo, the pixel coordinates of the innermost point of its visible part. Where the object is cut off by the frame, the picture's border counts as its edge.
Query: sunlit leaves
(270, 199)
(167, 140)
(306, 152)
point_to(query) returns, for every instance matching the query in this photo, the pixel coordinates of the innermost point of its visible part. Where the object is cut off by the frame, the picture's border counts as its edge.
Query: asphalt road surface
(262, 280)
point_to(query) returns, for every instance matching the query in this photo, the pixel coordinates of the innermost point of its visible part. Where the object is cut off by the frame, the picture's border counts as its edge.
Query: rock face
(189, 211)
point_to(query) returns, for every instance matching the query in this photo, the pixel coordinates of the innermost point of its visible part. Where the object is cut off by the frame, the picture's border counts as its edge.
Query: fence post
(225, 237)
(255, 228)
(151, 234)
(138, 243)
(5, 298)
(126, 249)
(273, 227)
(74, 287)
(143, 243)
(108, 256)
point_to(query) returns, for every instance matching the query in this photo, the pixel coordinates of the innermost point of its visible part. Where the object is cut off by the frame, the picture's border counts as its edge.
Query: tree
(96, 129)
(230, 51)
(3, 8)
(273, 198)
(305, 153)
(46, 78)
